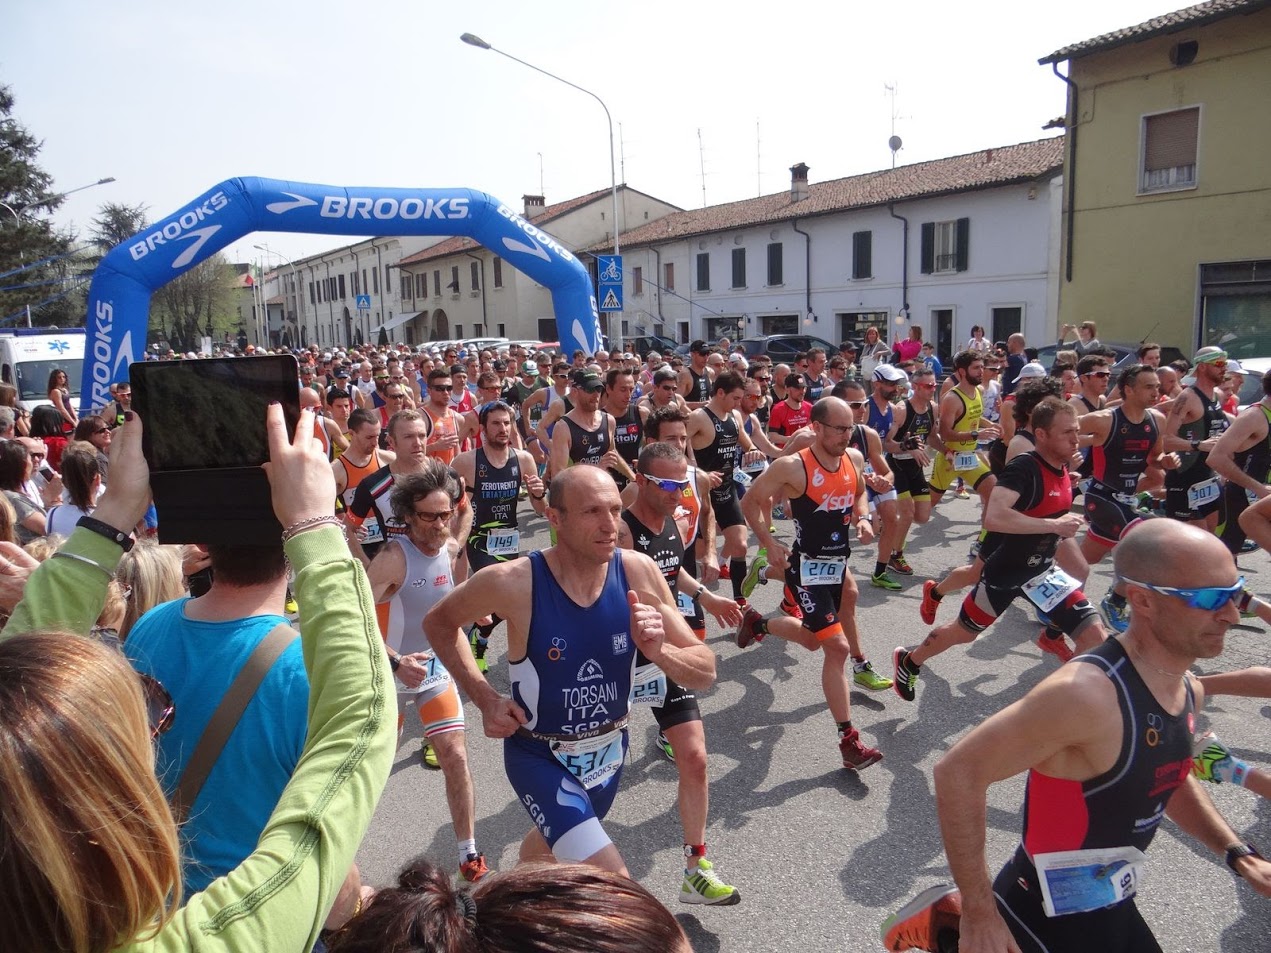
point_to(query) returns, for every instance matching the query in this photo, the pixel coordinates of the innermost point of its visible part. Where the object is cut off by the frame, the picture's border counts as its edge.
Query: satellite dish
(894, 143)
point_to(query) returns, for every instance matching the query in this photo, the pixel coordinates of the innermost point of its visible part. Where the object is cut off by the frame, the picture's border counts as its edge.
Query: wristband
(118, 537)
(313, 522)
(1195, 445)
(394, 662)
(1237, 851)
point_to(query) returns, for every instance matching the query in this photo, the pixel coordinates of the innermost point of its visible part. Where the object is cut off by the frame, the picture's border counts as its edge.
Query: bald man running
(1107, 744)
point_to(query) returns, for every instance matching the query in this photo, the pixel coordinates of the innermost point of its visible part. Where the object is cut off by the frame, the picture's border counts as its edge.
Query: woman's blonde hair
(89, 856)
(8, 519)
(150, 574)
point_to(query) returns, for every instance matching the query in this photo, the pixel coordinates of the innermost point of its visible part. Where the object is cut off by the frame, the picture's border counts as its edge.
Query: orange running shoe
(927, 922)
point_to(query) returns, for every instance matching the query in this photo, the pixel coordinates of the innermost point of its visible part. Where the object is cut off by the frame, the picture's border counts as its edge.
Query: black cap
(586, 380)
(700, 347)
(796, 380)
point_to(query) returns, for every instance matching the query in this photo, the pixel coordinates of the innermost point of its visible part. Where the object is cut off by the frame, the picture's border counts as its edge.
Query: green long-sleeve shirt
(278, 898)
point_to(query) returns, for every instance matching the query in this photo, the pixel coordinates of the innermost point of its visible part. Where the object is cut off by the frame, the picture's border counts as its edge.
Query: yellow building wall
(1136, 257)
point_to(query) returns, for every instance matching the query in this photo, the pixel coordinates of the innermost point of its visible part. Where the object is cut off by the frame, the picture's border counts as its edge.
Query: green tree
(27, 236)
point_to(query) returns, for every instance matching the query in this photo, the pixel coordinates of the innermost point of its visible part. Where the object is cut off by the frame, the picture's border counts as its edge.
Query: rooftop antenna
(894, 143)
(701, 159)
(758, 162)
(540, 175)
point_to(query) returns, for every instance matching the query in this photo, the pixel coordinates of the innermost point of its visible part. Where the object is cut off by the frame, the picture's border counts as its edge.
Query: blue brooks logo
(61, 347)
(571, 794)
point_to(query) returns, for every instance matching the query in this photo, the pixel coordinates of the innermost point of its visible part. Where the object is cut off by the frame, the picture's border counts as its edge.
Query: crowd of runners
(673, 487)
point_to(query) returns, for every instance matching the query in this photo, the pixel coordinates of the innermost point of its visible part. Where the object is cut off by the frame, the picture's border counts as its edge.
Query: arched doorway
(348, 327)
(440, 326)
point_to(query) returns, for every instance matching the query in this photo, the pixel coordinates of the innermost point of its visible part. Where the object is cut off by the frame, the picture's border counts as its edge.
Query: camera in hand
(205, 440)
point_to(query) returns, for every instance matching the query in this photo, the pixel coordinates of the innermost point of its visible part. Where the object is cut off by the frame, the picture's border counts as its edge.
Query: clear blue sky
(171, 98)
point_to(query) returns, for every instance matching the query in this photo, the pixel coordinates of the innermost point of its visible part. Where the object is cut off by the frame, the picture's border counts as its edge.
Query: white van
(29, 355)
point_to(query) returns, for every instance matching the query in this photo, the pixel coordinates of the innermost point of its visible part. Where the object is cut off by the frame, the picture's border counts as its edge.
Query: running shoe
(1055, 644)
(1118, 616)
(898, 563)
(962, 493)
(856, 756)
(1213, 762)
(755, 576)
(702, 885)
(927, 922)
(884, 581)
(725, 572)
(1248, 546)
(474, 868)
(863, 674)
(748, 631)
(665, 747)
(790, 609)
(430, 757)
(905, 676)
(479, 645)
(929, 604)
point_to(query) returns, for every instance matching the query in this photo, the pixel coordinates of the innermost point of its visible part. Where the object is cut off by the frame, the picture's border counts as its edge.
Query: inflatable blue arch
(119, 299)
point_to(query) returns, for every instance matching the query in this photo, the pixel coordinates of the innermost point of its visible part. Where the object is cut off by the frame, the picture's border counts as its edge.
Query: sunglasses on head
(160, 707)
(670, 486)
(1209, 598)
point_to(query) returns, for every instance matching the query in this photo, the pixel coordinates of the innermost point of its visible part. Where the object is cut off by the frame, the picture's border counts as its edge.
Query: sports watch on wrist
(1237, 851)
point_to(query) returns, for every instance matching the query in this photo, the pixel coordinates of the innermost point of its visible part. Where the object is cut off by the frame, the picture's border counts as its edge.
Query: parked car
(644, 343)
(1251, 389)
(1127, 354)
(480, 343)
(783, 347)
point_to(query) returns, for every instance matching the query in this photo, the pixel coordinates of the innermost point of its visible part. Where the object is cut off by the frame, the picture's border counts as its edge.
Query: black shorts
(999, 586)
(1176, 489)
(819, 604)
(909, 479)
(1235, 500)
(1118, 929)
(680, 705)
(726, 505)
(478, 558)
(1108, 516)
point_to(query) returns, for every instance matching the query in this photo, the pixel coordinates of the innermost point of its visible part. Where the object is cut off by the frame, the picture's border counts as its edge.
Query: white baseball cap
(890, 373)
(1030, 370)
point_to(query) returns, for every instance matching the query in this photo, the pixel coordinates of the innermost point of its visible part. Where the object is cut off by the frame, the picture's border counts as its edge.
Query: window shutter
(928, 248)
(963, 249)
(1171, 140)
(862, 254)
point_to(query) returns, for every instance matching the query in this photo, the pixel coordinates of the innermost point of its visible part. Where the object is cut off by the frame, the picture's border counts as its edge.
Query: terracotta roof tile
(461, 243)
(975, 170)
(1198, 15)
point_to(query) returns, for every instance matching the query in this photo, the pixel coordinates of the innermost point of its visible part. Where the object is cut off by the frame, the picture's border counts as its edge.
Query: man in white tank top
(412, 573)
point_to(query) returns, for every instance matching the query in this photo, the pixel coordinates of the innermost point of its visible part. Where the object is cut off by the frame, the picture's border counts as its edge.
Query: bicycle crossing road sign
(612, 300)
(609, 269)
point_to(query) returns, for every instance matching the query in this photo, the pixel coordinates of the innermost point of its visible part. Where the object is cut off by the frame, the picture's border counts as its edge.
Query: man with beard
(961, 428)
(494, 474)
(1193, 492)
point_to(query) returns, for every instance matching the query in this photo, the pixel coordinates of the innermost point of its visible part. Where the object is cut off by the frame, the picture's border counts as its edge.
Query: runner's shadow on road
(701, 939)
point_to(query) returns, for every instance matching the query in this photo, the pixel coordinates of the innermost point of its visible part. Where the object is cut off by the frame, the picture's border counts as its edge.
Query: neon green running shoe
(430, 757)
(479, 645)
(755, 576)
(863, 674)
(884, 581)
(702, 885)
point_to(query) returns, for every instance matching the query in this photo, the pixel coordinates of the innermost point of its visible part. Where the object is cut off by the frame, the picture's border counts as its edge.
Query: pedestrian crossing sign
(611, 301)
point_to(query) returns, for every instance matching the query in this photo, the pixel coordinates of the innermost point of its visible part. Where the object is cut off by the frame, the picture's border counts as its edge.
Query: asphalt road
(822, 855)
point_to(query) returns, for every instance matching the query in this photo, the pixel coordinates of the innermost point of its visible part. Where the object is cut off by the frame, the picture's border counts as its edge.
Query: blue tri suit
(573, 682)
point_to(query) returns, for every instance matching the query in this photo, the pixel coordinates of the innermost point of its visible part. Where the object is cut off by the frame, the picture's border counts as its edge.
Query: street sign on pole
(609, 281)
(363, 302)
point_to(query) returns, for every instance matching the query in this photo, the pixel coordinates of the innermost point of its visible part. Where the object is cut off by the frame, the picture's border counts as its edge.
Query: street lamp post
(295, 285)
(17, 218)
(473, 40)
